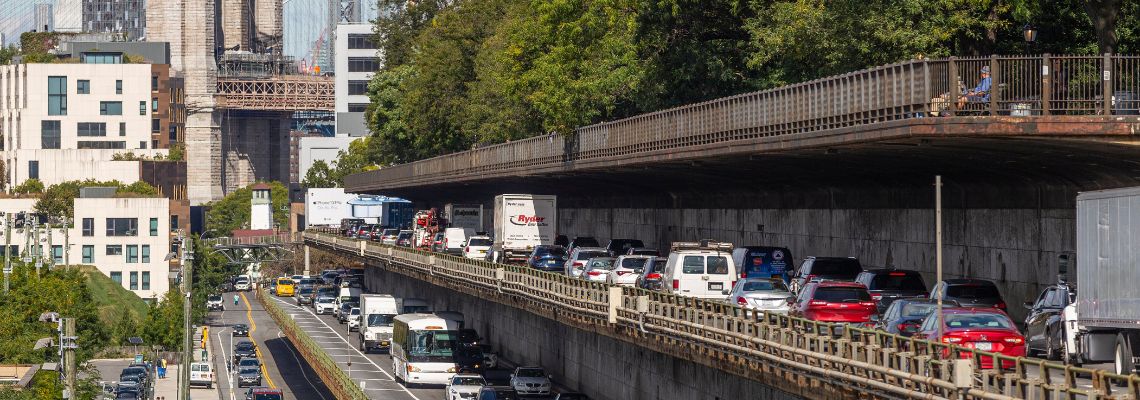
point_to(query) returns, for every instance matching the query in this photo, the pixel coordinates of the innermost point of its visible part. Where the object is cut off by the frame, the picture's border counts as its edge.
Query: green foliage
(210, 272)
(29, 186)
(63, 291)
(163, 325)
(118, 307)
(177, 152)
(58, 200)
(232, 211)
(319, 175)
(6, 54)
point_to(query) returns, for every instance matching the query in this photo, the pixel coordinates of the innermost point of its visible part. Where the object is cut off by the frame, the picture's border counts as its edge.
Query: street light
(1029, 33)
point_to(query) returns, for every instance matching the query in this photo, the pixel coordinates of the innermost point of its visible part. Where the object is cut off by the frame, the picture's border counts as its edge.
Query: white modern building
(126, 239)
(67, 121)
(44, 18)
(321, 148)
(357, 60)
(69, 16)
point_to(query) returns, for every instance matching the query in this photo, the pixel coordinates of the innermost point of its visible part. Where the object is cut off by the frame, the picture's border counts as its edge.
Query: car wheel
(1123, 364)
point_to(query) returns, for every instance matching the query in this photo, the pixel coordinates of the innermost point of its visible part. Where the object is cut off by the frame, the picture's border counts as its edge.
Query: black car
(969, 293)
(304, 295)
(244, 349)
(468, 337)
(497, 393)
(888, 285)
(825, 269)
(240, 330)
(470, 359)
(904, 316)
(135, 370)
(547, 258)
(617, 247)
(1044, 328)
(345, 309)
(582, 241)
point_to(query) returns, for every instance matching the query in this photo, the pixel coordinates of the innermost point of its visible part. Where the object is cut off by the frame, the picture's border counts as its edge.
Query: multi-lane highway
(283, 367)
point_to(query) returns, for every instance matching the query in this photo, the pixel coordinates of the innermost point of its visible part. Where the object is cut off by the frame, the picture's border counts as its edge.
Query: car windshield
(249, 370)
(215, 298)
(240, 327)
(979, 320)
(285, 282)
(347, 306)
(764, 286)
(467, 381)
(847, 268)
(841, 294)
(973, 291)
(633, 263)
(601, 263)
(898, 281)
(380, 319)
(479, 242)
(354, 311)
(248, 362)
(912, 310)
(325, 299)
(586, 242)
(432, 346)
(242, 280)
(305, 291)
(391, 232)
(530, 373)
(244, 346)
(586, 255)
(404, 235)
(552, 251)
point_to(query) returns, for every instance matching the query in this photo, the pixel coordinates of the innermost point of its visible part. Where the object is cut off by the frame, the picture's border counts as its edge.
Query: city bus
(423, 349)
(285, 287)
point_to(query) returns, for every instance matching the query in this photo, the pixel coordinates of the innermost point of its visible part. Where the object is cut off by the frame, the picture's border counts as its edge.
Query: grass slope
(112, 299)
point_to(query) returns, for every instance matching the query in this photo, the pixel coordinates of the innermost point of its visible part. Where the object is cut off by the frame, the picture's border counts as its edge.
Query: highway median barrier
(339, 383)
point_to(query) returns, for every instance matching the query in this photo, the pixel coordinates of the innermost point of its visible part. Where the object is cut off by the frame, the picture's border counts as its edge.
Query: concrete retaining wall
(600, 366)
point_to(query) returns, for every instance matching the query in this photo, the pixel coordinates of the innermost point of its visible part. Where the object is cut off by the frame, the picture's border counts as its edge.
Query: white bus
(423, 349)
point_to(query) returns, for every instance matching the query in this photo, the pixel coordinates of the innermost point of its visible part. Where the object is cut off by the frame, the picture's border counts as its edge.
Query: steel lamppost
(1029, 33)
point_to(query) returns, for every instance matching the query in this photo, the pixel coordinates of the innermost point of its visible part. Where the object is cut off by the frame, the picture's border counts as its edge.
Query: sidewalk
(167, 389)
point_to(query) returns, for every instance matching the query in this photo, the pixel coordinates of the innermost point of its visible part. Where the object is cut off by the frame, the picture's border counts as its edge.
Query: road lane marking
(229, 382)
(257, 349)
(311, 385)
(350, 346)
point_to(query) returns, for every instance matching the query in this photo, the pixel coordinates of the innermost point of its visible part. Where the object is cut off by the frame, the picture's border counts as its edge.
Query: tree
(232, 211)
(61, 291)
(163, 326)
(59, 200)
(319, 175)
(29, 186)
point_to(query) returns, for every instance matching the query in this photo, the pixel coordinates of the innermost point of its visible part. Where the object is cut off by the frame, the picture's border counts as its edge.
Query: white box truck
(523, 221)
(464, 216)
(1103, 323)
(376, 314)
(325, 207)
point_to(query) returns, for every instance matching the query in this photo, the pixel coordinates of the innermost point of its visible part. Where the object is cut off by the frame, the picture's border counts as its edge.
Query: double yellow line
(256, 348)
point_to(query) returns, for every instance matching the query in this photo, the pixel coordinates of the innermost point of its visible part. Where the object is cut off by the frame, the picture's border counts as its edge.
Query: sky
(16, 18)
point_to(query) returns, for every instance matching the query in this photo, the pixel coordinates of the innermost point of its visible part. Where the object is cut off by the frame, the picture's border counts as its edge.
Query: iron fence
(866, 359)
(1021, 86)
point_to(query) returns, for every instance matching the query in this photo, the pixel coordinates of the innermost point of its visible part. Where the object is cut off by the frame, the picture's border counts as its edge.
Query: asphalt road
(283, 367)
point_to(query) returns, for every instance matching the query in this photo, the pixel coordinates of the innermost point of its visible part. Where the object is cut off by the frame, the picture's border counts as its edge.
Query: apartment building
(356, 61)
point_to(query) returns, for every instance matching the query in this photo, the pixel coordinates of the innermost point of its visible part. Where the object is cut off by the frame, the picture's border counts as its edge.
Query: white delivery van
(699, 269)
(455, 238)
(376, 314)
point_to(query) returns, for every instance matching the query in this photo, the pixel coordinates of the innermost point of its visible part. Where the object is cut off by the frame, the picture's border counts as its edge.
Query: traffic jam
(769, 278)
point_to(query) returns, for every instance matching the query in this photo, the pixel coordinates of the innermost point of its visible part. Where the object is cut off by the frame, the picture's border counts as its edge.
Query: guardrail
(339, 383)
(1022, 86)
(865, 359)
(280, 238)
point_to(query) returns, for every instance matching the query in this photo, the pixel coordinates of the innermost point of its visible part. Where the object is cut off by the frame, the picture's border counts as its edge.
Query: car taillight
(867, 303)
(810, 277)
(1000, 304)
(594, 273)
(741, 301)
(1014, 340)
(817, 303)
(676, 284)
(951, 339)
(466, 249)
(653, 276)
(743, 274)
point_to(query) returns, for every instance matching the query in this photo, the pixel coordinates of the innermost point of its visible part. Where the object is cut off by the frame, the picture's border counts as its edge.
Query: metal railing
(1023, 87)
(280, 238)
(339, 383)
(743, 341)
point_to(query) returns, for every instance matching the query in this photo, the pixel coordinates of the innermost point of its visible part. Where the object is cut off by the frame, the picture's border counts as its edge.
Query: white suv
(477, 247)
(324, 305)
(703, 270)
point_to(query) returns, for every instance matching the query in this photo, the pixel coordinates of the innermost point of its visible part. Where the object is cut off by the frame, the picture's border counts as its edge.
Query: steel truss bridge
(276, 93)
(256, 249)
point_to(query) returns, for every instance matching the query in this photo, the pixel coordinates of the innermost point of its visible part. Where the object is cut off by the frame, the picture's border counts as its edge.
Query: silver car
(464, 386)
(761, 294)
(529, 381)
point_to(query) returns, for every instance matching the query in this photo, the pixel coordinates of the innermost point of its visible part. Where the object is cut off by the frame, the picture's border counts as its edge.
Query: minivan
(825, 269)
(700, 269)
(763, 262)
(455, 238)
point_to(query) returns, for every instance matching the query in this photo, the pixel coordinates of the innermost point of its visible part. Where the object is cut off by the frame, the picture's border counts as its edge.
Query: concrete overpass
(841, 166)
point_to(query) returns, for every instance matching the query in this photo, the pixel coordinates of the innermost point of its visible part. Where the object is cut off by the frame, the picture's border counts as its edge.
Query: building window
(89, 227)
(134, 280)
(146, 280)
(360, 41)
(50, 134)
(57, 253)
(357, 88)
(100, 145)
(142, 108)
(83, 86)
(154, 83)
(122, 227)
(117, 277)
(363, 64)
(132, 254)
(91, 129)
(154, 104)
(57, 95)
(155, 125)
(122, 129)
(101, 58)
(145, 253)
(110, 108)
(142, 144)
(88, 254)
(357, 107)
(174, 221)
(114, 249)
(118, 86)
(154, 226)
(33, 169)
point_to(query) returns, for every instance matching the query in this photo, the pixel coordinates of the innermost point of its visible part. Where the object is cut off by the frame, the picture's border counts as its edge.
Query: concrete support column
(307, 269)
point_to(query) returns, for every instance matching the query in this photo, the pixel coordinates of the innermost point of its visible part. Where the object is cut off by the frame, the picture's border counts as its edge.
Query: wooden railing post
(1046, 84)
(1106, 83)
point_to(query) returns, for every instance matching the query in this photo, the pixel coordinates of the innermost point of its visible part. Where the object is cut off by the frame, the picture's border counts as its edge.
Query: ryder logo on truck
(528, 220)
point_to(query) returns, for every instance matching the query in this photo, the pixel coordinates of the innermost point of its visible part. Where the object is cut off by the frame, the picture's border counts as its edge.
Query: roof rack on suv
(704, 244)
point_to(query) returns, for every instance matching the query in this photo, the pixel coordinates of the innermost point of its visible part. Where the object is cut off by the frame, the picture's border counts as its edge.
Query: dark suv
(825, 269)
(617, 247)
(977, 293)
(888, 285)
(582, 241)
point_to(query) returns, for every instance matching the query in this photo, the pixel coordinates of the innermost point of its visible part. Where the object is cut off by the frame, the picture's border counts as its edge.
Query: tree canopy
(464, 74)
(232, 211)
(58, 200)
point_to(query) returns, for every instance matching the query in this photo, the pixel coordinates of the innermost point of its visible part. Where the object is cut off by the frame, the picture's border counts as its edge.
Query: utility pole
(187, 346)
(938, 249)
(66, 242)
(67, 346)
(7, 250)
(50, 248)
(39, 255)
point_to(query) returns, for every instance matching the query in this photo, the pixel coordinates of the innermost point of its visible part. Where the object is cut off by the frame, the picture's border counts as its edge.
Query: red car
(984, 329)
(846, 302)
